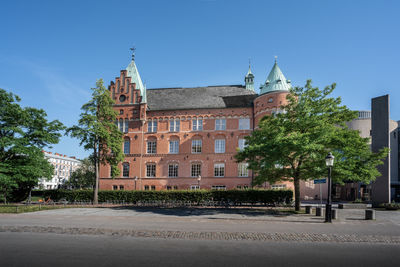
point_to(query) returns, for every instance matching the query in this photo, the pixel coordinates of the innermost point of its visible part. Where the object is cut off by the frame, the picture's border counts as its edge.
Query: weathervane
(133, 49)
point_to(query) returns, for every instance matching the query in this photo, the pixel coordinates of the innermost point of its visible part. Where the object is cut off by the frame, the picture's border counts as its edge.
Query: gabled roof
(224, 96)
(133, 72)
(276, 81)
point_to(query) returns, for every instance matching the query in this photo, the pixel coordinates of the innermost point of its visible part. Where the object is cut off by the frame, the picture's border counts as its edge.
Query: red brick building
(186, 138)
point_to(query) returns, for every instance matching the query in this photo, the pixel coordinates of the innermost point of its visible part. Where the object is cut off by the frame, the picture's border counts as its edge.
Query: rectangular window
(197, 124)
(242, 144)
(125, 169)
(152, 126)
(121, 187)
(220, 146)
(278, 186)
(127, 145)
(173, 170)
(194, 187)
(151, 170)
(121, 125)
(196, 146)
(126, 125)
(174, 147)
(219, 170)
(243, 170)
(115, 187)
(244, 124)
(218, 187)
(174, 125)
(146, 187)
(153, 187)
(169, 187)
(220, 124)
(151, 147)
(196, 170)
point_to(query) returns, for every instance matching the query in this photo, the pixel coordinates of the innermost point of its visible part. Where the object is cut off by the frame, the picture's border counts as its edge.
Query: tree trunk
(297, 193)
(96, 186)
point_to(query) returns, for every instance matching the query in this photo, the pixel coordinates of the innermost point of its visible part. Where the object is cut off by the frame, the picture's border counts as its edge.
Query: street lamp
(328, 210)
(198, 181)
(135, 181)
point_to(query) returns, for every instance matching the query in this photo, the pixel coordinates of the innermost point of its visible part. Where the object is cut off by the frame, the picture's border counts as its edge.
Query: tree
(292, 145)
(24, 132)
(97, 132)
(84, 177)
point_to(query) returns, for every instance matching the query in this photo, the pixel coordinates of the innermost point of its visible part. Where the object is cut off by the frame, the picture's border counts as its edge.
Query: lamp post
(198, 181)
(328, 210)
(135, 182)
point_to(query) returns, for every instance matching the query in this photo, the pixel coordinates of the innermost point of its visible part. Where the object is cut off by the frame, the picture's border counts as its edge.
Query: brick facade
(150, 146)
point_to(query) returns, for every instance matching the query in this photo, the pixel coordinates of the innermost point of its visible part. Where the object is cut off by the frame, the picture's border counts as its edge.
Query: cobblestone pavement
(209, 224)
(297, 237)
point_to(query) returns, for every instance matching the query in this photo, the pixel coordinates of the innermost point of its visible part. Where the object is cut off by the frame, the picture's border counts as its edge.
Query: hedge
(265, 197)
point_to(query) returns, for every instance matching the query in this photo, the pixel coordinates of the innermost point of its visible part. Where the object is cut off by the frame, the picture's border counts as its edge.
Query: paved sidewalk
(208, 224)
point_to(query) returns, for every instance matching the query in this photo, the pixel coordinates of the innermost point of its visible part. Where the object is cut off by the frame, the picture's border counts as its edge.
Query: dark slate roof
(224, 96)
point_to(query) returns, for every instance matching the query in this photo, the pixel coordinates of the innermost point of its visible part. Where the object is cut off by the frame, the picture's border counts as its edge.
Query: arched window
(125, 169)
(127, 146)
(152, 145)
(220, 144)
(174, 145)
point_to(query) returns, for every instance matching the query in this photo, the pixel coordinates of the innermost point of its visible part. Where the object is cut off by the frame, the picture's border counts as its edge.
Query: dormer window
(288, 81)
(267, 82)
(278, 81)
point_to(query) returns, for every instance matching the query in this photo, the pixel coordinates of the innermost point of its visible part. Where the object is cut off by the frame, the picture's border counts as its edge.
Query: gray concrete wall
(380, 128)
(362, 125)
(394, 152)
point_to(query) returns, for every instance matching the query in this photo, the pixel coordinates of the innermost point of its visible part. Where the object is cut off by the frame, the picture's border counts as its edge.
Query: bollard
(334, 214)
(319, 212)
(370, 214)
(308, 209)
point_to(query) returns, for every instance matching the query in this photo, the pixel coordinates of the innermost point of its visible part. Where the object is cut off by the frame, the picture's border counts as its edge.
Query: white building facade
(64, 166)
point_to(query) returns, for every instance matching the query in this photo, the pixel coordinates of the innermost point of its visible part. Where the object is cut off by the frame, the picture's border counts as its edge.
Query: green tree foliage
(84, 177)
(24, 132)
(293, 144)
(97, 132)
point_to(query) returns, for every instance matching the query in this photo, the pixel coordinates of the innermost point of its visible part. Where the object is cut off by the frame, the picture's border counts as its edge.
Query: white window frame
(219, 170)
(174, 147)
(243, 170)
(152, 126)
(220, 124)
(151, 147)
(278, 186)
(195, 169)
(197, 146)
(173, 170)
(244, 124)
(174, 125)
(197, 124)
(218, 187)
(125, 169)
(151, 170)
(194, 187)
(219, 145)
(241, 144)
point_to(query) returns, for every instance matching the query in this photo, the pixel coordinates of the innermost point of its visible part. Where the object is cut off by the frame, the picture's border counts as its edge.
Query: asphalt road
(44, 249)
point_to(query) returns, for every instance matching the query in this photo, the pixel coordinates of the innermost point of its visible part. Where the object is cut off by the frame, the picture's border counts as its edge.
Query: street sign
(320, 181)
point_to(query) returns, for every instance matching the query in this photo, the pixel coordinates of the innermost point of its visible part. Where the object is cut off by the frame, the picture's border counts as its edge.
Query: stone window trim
(152, 126)
(197, 124)
(151, 146)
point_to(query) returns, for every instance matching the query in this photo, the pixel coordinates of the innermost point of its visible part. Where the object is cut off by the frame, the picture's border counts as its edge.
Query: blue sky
(52, 52)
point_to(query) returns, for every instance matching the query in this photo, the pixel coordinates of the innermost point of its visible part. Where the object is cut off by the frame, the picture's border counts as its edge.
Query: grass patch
(28, 208)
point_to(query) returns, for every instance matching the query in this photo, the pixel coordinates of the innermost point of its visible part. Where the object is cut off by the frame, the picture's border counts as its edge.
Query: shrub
(233, 197)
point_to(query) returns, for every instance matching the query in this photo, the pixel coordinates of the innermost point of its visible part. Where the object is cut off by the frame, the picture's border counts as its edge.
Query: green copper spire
(133, 72)
(249, 79)
(276, 81)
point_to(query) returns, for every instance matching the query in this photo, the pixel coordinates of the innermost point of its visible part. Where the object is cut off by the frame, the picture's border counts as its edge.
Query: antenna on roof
(133, 49)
